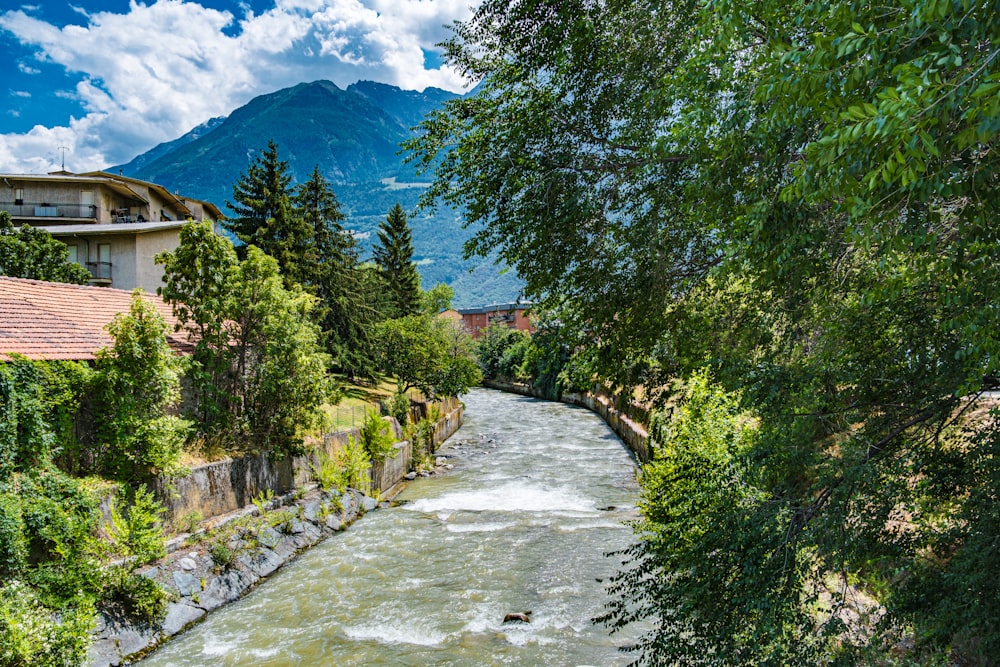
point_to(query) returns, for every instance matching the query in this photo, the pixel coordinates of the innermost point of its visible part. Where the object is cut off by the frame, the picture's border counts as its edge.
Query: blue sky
(108, 79)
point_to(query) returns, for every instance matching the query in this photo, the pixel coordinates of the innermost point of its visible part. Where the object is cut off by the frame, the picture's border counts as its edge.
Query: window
(73, 253)
(18, 196)
(104, 253)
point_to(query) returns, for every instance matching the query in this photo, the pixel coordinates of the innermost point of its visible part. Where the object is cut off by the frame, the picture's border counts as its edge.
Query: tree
(427, 353)
(264, 216)
(394, 255)
(437, 299)
(27, 252)
(259, 369)
(197, 284)
(801, 198)
(138, 384)
(330, 269)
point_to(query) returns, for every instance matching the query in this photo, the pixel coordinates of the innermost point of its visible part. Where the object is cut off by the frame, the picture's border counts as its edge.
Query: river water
(538, 496)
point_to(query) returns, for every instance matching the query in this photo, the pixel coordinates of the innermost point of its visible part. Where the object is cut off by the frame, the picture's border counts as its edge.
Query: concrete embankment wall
(221, 487)
(632, 433)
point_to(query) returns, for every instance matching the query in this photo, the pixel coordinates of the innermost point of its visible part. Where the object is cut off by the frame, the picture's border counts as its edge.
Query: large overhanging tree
(802, 199)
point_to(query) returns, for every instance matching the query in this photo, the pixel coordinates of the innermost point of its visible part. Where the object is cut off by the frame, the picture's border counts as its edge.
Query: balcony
(43, 211)
(100, 272)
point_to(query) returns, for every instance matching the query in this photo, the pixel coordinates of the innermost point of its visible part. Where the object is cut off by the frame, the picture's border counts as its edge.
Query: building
(43, 320)
(113, 225)
(514, 315)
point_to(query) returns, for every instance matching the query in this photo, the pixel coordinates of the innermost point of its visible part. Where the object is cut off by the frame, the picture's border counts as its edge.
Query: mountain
(354, 137)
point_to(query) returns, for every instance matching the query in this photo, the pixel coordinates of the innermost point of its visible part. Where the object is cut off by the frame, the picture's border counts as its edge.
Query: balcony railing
(100, 271)
(27, 209)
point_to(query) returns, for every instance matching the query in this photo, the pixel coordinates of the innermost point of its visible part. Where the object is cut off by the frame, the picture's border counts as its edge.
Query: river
(538, 496)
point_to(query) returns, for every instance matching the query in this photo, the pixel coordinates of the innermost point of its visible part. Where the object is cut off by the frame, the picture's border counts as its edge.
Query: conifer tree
(330, 269)
(394, 256)
(264, 215)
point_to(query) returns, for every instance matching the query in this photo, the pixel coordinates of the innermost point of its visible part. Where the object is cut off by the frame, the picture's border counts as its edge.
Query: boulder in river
(518, 617)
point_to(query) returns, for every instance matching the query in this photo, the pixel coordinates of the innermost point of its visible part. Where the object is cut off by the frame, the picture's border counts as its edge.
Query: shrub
(222, 554)
(377, 437)
(353, 467)
(137, 532)
(30, 634)
(398, 406)
(133, 596)
(138, 384)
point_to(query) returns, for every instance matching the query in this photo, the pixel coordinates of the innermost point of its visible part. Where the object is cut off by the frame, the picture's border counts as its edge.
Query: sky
(96, 82)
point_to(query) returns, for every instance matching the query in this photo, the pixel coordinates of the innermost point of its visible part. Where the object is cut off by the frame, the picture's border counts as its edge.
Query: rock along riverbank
(211, 573)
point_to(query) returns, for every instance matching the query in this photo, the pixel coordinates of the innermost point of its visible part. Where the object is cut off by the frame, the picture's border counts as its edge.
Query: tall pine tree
(394, 255)
(264, 216)
(330, 269)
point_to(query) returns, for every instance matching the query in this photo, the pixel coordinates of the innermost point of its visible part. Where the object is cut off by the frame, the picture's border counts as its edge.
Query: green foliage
(493, 344)
(30, 634)
(301, 228)
(326, 473)
(25, 435)
(423, 444)
(29, 252)
(197, 284)
(259, 375)
(222, 554)
(428, 353)
(398, 406)
(39, 406)
(263, 210)
(377, 437)
(394, 255)
(803, 198)
(437, 299)
(136, 528)
(138, 384)
(353, 465)
(330, 269)
(262, 500)
(50, 573)
(133, 596)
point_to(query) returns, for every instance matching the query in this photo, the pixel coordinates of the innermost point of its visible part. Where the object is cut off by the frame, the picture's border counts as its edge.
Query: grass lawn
(358, 400)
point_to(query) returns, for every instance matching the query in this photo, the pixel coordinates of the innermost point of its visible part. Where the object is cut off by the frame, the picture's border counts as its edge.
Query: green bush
(31, 634)
(133, 596)
(222, 554)
(136, 527)
(138, 384)
(377, 437)
(423, 445)
(353, 467)
(398, 406)
(13, 541)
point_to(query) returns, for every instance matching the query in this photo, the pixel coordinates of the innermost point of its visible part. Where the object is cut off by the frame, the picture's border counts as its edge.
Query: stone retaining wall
(221, 487)
(633, 434)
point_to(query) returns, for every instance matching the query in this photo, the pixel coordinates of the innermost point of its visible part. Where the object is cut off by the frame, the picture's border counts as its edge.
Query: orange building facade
(513, 315)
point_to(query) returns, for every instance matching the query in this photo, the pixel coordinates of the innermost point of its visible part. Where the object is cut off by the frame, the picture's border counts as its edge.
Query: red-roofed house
(42, 320)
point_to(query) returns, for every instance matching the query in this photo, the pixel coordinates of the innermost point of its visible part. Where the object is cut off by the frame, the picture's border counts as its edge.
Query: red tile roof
(43, 320)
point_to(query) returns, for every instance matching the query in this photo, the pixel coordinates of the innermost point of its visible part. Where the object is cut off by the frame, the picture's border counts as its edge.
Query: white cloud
(20, 93)
(154, 73)
(27, 69)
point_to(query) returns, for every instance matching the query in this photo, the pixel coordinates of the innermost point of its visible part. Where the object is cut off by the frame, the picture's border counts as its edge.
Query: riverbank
(238, 548)
(539, 493)
(634, 435)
